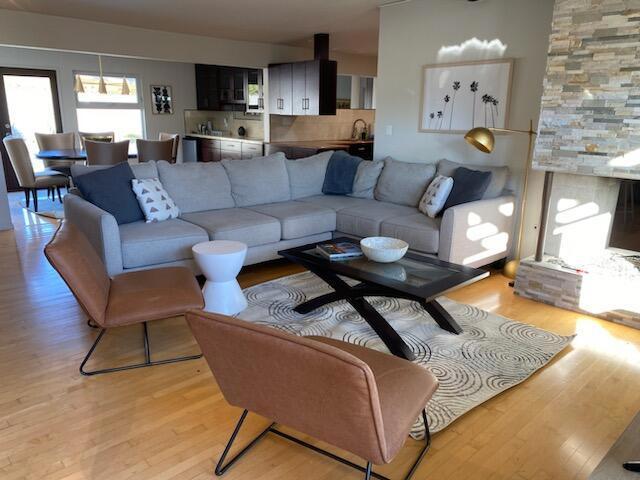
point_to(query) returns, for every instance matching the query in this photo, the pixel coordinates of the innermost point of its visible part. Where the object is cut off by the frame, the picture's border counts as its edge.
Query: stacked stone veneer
(590, 116)
(570, 289)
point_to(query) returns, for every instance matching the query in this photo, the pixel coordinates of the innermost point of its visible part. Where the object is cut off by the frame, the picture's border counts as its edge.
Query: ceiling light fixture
(78, 87)
(102, 87)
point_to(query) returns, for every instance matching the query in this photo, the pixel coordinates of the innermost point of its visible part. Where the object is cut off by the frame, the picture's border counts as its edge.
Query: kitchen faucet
(354, 131)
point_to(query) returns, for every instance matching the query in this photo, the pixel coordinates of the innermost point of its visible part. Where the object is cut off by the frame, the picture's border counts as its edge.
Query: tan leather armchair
(129, 298)
(30, 181)
(355, 398)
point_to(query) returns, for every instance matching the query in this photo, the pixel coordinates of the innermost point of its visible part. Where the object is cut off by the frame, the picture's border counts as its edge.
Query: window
(113, 111)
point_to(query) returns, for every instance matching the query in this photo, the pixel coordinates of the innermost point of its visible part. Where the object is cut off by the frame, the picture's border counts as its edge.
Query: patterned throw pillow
(436, 195)
(155, 202)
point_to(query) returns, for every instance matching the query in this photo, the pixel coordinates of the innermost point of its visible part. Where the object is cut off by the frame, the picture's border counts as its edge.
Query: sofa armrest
(100, 228)
(477, 233)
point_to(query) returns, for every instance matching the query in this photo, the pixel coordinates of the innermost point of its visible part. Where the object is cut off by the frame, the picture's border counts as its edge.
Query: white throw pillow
(155, 202)
(436, 195)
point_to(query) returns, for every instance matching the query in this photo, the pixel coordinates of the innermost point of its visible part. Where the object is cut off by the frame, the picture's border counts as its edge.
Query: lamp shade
(78, 87)
(482, 138)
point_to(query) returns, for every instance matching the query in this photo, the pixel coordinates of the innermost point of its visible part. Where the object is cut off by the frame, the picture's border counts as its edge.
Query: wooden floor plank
(171, 422)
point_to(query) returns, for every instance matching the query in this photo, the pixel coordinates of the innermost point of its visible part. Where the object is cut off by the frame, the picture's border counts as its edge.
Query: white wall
(181, 76)
(412, 35)
(50, 32)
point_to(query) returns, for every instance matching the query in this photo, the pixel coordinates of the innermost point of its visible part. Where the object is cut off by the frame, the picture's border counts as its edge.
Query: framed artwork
(459, 96)
(161, 100)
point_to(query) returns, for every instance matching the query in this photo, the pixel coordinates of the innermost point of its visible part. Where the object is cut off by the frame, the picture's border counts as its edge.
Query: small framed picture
(459, 96)
(161, 100)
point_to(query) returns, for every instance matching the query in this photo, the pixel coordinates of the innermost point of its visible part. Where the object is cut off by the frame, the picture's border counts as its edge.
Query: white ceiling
(353, 24)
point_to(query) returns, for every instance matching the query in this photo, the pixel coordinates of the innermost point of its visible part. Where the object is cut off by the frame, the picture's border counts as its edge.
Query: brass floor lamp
(483, 139)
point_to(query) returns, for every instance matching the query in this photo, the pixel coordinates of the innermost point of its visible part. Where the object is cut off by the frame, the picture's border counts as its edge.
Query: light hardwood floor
(171, 422)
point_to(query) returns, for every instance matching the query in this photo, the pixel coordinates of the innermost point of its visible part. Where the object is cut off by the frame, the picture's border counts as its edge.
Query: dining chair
(28, 180)
(107, 137)
(126, 299)
(176, 142)
(101, 153)
(355, 398)
(155, 150)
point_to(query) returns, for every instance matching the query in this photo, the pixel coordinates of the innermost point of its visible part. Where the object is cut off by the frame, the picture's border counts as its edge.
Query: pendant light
(125, 86)
(78, 87)
(102, 87)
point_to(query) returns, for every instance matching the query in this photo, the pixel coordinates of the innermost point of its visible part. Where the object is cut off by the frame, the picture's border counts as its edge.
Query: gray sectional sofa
(271, 203)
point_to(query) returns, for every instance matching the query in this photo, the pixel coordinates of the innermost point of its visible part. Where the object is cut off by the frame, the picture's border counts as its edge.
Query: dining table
(70, 154)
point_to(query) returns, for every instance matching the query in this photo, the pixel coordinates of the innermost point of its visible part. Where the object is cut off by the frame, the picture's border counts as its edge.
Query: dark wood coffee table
(414, 277)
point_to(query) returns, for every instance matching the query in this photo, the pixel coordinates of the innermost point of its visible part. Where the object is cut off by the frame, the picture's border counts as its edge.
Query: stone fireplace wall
(590, 114)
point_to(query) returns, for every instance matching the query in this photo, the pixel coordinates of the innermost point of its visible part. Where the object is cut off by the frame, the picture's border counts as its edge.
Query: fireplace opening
(625, 229)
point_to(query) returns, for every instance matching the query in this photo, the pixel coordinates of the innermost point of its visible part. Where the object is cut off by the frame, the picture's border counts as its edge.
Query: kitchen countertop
(321, 143)
(227, 137)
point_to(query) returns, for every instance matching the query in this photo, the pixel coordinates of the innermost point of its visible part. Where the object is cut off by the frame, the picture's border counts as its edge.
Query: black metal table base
(632, 466)
(355, 295)
(147, 355)
(221, 468)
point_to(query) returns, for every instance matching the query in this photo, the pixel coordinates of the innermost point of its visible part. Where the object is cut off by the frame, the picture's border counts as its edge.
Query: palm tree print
(447, 99)
(456, 87)
(431, 117)
(474, 90)
(440, 114)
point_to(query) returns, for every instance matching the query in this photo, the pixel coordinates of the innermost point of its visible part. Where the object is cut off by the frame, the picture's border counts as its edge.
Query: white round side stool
(221, 261)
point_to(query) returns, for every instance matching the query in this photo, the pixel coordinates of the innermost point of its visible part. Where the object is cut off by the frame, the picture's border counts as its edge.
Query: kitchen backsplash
(253, 122)
(326, 127)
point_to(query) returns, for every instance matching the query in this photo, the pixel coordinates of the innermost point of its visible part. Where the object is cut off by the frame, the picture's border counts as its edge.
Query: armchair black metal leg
(632, 466)
(147, 355)
(367, 474)
(425, 449)
(27, 196)
(34, 194)
(91, 323)
(220, 469)
(59, 194)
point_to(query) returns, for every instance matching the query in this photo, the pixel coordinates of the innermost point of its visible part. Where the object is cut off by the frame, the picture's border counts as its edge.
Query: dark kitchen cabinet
(232, 80)
(362, 150)
(280, 89)
(207, 87)
(313, 87)
(253, 87)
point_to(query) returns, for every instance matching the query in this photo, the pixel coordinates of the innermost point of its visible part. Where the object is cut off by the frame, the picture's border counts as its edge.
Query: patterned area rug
(492, 355)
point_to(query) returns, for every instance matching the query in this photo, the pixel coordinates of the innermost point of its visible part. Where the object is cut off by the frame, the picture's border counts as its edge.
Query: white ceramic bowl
(383, 249)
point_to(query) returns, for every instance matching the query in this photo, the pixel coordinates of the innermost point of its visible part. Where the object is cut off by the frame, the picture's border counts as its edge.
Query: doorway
(29, 103)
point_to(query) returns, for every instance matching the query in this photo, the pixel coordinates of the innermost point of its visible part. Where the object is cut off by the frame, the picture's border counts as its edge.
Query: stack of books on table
(339, 250)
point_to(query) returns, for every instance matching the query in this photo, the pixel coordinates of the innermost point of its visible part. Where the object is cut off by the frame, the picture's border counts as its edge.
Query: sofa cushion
(259, 180)
(366, 179)
(364, 220)
(403, 183)
(110, 189)
(334, 202)
(239, 224)
(419, 231)
(153, 243)
(300, 219)
(306, 175)
(141, 171)
(196, 187)
(499, 175)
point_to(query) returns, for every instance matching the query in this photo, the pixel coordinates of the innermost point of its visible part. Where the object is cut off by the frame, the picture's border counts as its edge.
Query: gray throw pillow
(306, 175)
(258, 180)
(499, 175)
(403, 183)
(366, 179)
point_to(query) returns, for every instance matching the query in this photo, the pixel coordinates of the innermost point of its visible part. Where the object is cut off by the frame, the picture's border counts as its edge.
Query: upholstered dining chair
(155, 150)
(28, 180)
(176, 142)
(106, 137)
(129, 298)
(102, 153)
(352, 397)
(57, 141)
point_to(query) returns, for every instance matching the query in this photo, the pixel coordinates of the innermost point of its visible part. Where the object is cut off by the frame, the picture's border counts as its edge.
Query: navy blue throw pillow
(340, 174)
(468, 186)
(110, 189)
